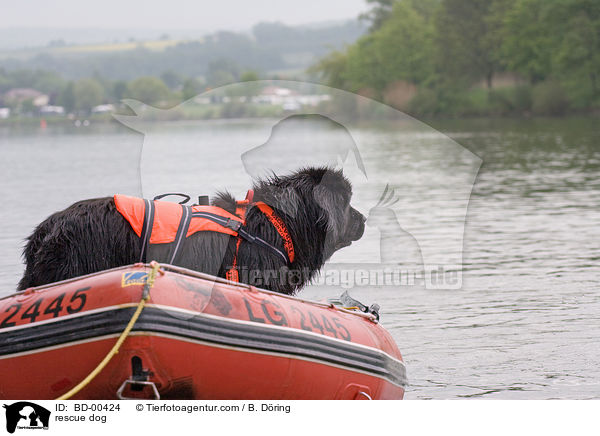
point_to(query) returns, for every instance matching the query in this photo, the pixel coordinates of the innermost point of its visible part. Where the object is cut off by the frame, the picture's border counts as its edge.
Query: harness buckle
(232, 224)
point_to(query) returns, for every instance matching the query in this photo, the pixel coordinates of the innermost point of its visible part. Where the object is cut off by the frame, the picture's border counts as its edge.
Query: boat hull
(198, 337)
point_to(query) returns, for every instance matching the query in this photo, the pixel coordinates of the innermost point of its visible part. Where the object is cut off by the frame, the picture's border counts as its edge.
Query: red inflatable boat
(150, 331)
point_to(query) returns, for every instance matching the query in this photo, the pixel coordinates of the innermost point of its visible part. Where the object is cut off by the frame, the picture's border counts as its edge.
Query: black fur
(314, 204)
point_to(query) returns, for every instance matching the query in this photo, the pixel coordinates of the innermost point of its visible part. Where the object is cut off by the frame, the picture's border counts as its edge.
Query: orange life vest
(163, 222)
(167, 217)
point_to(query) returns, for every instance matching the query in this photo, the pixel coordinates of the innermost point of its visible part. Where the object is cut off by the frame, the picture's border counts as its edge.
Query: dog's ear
(332, 195)
(330, 204)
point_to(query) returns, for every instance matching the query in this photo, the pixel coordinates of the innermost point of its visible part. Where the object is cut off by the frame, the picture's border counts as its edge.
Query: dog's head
(343, 223)
(316, 202)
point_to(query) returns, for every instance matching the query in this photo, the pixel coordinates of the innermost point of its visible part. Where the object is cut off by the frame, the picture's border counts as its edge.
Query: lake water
(526, 322)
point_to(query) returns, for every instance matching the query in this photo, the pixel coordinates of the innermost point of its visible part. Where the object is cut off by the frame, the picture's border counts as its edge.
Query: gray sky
(172, 14)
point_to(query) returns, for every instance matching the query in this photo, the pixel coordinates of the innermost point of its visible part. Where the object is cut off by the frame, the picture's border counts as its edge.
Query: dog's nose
(360, 227)
(361, 231)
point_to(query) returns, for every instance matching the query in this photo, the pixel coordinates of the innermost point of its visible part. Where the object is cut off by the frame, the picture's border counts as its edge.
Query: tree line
(449, 55)
(84, 94)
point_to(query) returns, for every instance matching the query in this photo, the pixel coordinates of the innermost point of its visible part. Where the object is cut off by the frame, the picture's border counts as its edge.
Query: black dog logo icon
(26, 415)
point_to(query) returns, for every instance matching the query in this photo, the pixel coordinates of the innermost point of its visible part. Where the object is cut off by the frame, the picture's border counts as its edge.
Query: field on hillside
(85, 49)
(157, 45)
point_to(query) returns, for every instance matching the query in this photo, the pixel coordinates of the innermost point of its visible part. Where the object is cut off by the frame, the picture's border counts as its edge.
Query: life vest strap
(146, 228)
(184, 224)
(232, 273)
(221, 220)
(259, 241)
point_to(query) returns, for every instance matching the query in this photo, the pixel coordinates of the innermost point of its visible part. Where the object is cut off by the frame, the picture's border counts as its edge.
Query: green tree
(380, 11)
(192, 87)
(172, 79)
(446, 46)
(48, 82)
(527, 45)
(222, 72)
(87, 94)
(332, 68)
(5, 81)
(67, 97)
(576, 58)
(249, 76)
(556, 40)
(464, 43)
(149, 90)
(497, 31)
(401, 49)
(27, 106)
(250, 86)
(119, 89)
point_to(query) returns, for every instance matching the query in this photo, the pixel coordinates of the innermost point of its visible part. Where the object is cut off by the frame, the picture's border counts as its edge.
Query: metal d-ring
(134, 382)
(365, 394)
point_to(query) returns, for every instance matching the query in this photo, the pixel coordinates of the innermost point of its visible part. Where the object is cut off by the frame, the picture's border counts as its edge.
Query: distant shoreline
(31, 123)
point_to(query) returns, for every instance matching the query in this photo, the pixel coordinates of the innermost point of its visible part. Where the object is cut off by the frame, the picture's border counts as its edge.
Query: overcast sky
(172, 14)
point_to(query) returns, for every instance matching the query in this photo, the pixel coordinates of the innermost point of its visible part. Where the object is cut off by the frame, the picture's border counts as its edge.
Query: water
(526, 322)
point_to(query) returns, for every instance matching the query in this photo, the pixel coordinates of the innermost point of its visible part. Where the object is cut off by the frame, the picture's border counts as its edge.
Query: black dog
(313, 203)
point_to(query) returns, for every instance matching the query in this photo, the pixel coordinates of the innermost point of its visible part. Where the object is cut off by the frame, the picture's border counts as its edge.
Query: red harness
(242, 206)
(163, 222)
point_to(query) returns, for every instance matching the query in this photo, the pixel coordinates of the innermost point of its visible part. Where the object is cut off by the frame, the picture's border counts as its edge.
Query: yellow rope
(117, 346)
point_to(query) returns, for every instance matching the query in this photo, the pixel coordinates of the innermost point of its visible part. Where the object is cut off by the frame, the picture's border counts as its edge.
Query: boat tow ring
(136, 382)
